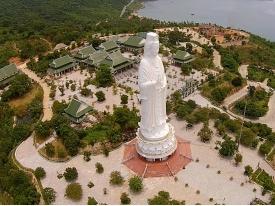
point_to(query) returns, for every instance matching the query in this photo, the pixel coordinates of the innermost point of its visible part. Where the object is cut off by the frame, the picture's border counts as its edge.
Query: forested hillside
(53, 17)
(26, 24)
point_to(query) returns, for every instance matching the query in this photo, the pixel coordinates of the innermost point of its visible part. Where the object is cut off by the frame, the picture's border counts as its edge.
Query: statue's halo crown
(152, 37)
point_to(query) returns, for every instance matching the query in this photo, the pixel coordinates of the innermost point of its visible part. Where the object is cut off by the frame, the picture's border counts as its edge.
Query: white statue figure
(152, 84)
(155, 136)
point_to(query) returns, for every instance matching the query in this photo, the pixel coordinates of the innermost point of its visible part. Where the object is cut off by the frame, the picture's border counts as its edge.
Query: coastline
(255, 28)
(135, 6)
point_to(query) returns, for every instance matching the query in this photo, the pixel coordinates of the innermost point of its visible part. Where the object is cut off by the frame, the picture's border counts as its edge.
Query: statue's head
(151, 48)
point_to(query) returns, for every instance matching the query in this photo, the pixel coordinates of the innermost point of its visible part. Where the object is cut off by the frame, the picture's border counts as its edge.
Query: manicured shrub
(163, 198)
(99, 168)
(116, 178)
(85, 92)
(125, 199)
(205, 133)
(248, 170)
(135, 184)
(86, 156)
(238, 158)
(228, 148)
(49, 195)
(39, 173)
(70, 174)
(124, 99)
(74, 191)
(100, 96)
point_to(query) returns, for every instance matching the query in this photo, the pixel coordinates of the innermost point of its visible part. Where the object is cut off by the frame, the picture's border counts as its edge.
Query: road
(125, 7)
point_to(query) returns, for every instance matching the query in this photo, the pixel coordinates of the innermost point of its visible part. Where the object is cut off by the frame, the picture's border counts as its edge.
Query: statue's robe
(153, 85)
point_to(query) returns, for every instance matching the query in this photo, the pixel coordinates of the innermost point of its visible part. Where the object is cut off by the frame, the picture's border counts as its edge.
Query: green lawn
(97, 133)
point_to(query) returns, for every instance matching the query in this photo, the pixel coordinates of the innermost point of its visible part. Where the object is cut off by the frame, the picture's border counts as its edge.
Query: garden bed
(217, 89)
(262, 178)
(58, 146)
(256, 103)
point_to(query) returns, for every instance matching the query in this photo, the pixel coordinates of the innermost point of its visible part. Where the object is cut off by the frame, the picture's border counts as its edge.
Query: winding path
(269, 117)
(47, 111)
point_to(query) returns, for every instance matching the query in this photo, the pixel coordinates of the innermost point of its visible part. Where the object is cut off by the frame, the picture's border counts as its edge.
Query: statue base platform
(157, 150)
(169, 167)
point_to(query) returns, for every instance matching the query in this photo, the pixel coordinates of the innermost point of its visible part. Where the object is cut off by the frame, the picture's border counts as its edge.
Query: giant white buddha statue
(156, 140)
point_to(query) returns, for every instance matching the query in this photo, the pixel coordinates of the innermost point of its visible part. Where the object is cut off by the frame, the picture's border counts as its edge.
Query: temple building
(182, 57)
(84, 53)
(109, 46)
(7, 74)
(134, 44)
(95, 59)
(77, 111)
(117, 62)
(62, 65)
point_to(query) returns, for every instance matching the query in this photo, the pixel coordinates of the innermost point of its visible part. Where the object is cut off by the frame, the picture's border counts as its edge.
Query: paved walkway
(243, 70)
(46, 89)
(269, 118)
(196, 174)
(235, 97)
(217, 59)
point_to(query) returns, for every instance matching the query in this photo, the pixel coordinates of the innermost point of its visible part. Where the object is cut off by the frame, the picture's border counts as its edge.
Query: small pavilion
(182, 57)
(134, 44)
(77, 110)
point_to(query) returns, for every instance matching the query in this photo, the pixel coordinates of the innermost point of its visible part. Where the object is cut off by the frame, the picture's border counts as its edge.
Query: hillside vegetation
(32, 27)
(24, 24)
